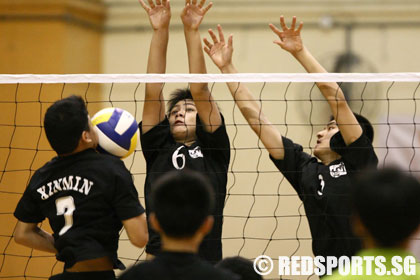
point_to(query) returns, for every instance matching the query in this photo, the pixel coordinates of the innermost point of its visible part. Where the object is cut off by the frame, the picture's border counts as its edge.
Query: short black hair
(387, 203)
(241, 267)
(181, 201)
(64, 123)
(365, 124)
(176, 96)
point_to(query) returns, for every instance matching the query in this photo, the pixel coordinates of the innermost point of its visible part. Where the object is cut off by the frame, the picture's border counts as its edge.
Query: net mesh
(263, 214)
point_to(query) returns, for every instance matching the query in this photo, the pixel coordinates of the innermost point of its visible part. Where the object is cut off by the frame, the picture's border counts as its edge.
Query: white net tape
(210, 78)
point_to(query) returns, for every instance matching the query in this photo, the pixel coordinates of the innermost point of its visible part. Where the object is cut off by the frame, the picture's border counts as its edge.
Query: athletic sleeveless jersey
(209, 154)
(85, 197)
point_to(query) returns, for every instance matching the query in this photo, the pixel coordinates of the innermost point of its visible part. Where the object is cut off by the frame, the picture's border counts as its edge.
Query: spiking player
(192, 134)
(87, 198)
(343, 147)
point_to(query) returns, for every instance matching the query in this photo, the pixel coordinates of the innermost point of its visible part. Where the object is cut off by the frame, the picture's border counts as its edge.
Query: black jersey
(85, 197)
(209, 154)
(177, 266)
(325, 191)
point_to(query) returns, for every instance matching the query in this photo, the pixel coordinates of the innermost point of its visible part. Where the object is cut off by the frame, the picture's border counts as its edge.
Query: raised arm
(220, 52)
(290, 40)
(191, 16)
(154, 104)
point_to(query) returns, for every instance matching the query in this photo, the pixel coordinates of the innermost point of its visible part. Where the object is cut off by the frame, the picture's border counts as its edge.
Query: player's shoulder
(110, 164)
(93, 156)
(109, 159)
(103, 163)
(48, 167)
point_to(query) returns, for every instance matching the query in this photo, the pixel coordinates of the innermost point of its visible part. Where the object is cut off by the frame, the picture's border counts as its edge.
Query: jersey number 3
(321, 186)
(65, 206)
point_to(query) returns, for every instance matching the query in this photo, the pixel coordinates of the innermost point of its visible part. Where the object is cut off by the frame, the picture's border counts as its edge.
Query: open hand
(290, 39)
(193, 13)
(220, 51)
(159, 13)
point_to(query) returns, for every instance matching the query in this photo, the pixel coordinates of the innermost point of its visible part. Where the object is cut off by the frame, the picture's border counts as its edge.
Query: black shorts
(92, 275)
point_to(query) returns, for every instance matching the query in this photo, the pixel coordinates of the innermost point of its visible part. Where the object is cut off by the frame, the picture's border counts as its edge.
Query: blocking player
(87, 198)
(343, 147)
(192, 134)
(182, 205)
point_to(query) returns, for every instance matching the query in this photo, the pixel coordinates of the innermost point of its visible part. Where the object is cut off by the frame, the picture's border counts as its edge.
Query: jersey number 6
(65, 206)
(176, 156)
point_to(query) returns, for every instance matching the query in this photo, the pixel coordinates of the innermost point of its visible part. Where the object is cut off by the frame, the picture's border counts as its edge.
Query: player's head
(182, 115)
(182, 203)
(386, 206)
(68, 126)
(366, 126)
(240, 266)
(324, 136)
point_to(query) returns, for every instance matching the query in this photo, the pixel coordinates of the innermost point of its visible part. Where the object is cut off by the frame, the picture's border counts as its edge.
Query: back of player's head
(64, 123)
(240, 266)
(365, 125)
(176, 96)
(181, 201)
(387, 203)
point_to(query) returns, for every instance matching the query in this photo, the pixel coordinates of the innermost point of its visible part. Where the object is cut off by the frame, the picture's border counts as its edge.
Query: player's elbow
(137, 230)
(199, 88)
(140, 240)
(20, 237)
(333, 95)
(328, 86)
(21, 233)
(254, 116)
(276, 153)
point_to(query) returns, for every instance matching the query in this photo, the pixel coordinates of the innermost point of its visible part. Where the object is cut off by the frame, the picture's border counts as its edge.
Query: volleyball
(117, 130)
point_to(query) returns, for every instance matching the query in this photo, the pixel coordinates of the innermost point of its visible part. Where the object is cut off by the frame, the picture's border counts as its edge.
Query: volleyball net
(263, 215)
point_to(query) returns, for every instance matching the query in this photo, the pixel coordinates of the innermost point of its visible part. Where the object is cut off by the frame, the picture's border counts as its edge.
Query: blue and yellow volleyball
(117, 130)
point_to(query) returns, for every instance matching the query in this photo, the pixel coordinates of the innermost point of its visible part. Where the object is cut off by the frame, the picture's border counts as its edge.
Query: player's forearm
(243, 97)
(49, 241)
(308, 62)
(154, 103)
(157, 53)
(239, 91)
(196, 62)
(340, 110)
(37, 239)
(252, 112)
(206, 106)
(157, 56)
(330, 90)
